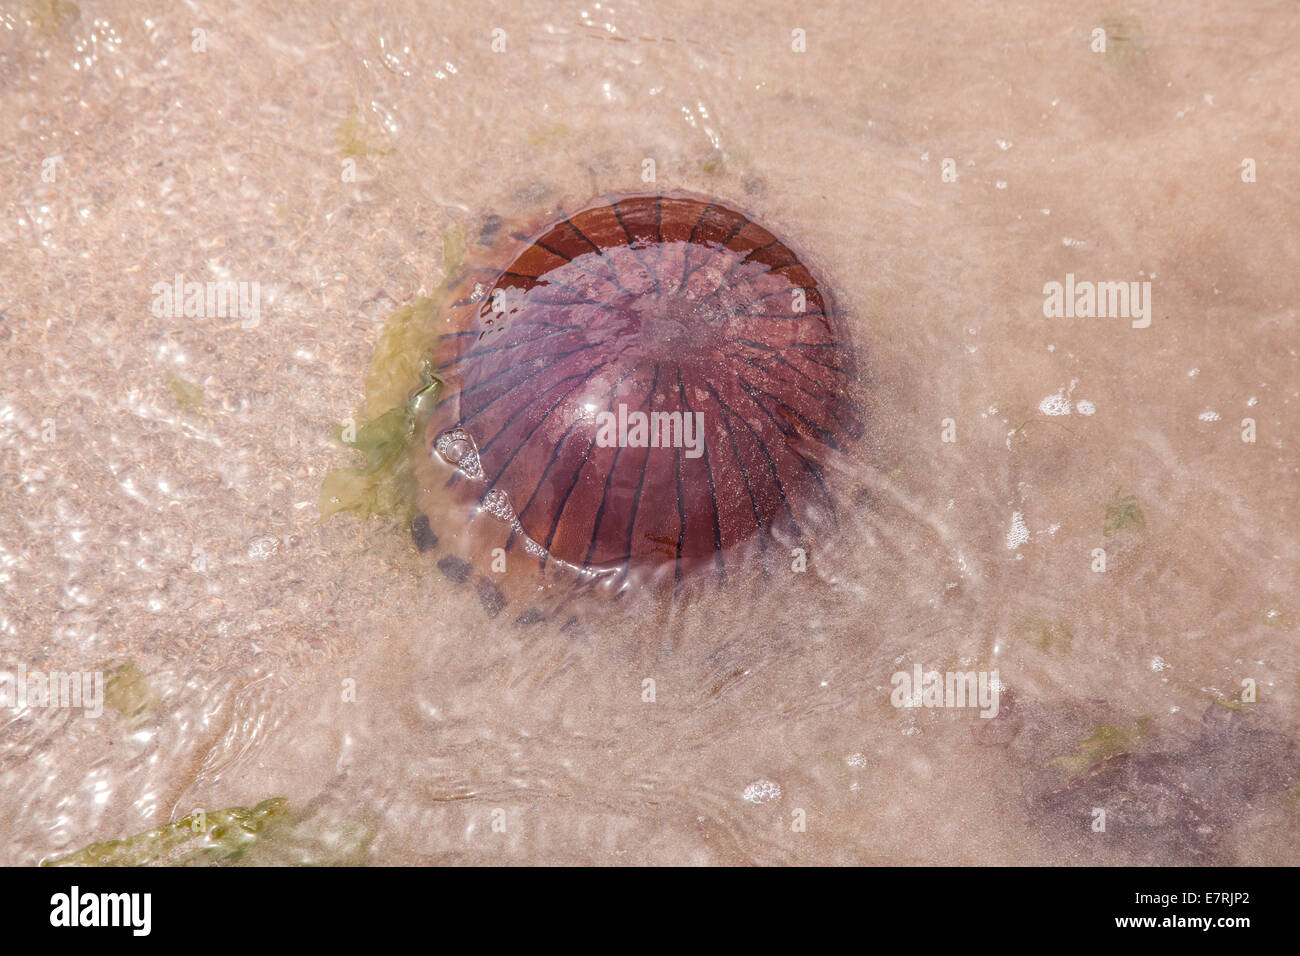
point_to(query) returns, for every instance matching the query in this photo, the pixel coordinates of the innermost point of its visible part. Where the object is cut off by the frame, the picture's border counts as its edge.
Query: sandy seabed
(940, 164)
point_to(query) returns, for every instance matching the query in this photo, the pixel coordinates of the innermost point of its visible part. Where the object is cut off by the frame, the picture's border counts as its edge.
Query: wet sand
(161, 471)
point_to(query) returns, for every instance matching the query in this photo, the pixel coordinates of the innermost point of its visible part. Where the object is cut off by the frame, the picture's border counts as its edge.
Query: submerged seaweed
(401, 389)
(1106, 741)
(201, 839)
(1122, 512)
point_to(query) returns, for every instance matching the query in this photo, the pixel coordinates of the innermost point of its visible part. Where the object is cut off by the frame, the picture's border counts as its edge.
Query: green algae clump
(51, 16)
(1046, 634)
(401, 390)
(351, 139)
(201, 839)
(1125, 38)
(187, 394)
(1122, 512)
(1107, 740)
(128, 691)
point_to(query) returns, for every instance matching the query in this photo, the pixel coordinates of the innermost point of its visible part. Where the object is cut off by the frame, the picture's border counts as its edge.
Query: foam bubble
(1019, 533)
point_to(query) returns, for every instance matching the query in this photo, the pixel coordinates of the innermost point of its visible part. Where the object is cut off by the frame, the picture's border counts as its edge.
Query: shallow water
(161, 472)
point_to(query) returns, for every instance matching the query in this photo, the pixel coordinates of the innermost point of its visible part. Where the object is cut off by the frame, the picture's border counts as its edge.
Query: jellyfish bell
(649, 392)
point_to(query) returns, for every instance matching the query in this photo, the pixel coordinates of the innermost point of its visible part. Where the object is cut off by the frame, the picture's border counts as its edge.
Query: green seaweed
(1047, 634)
(1234, 702)
(200, 839)
(350, 135)
(1125, 38)
(383, 486)
(1107, 740)
(545, 136)
(1292, 800)
(51, 16)
(187, 394)
(714, 164)
(1122, 512)
(128, 691)
(1229, 703)
(400, 392)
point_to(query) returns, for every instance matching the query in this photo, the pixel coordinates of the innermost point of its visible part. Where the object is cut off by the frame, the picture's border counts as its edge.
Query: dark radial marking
(813, 469)
(690, 247)
(579, 402)
(609, 480)
(713, 490)
(613, 273)
(828, 399)
(741, 224)
(479, 353)
(555, 454)
(762, 444)
(726, 284)
(631, 244)
(531, 432)
(577, 475)
(797, 316)
(550, 280)
(798, 346)
(578, 263)
(514, 368)
(640, 486)
(744, 473)
(751, 390)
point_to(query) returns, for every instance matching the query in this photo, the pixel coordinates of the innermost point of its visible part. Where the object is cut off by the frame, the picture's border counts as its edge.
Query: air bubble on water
(762, 791)
(263, 547)
(1019, 533)
(1056, 404)
(1208, 416)
(456, 447)
(497, 504)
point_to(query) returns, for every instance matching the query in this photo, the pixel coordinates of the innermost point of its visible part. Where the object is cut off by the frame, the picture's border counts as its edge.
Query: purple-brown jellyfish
(653, 382)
